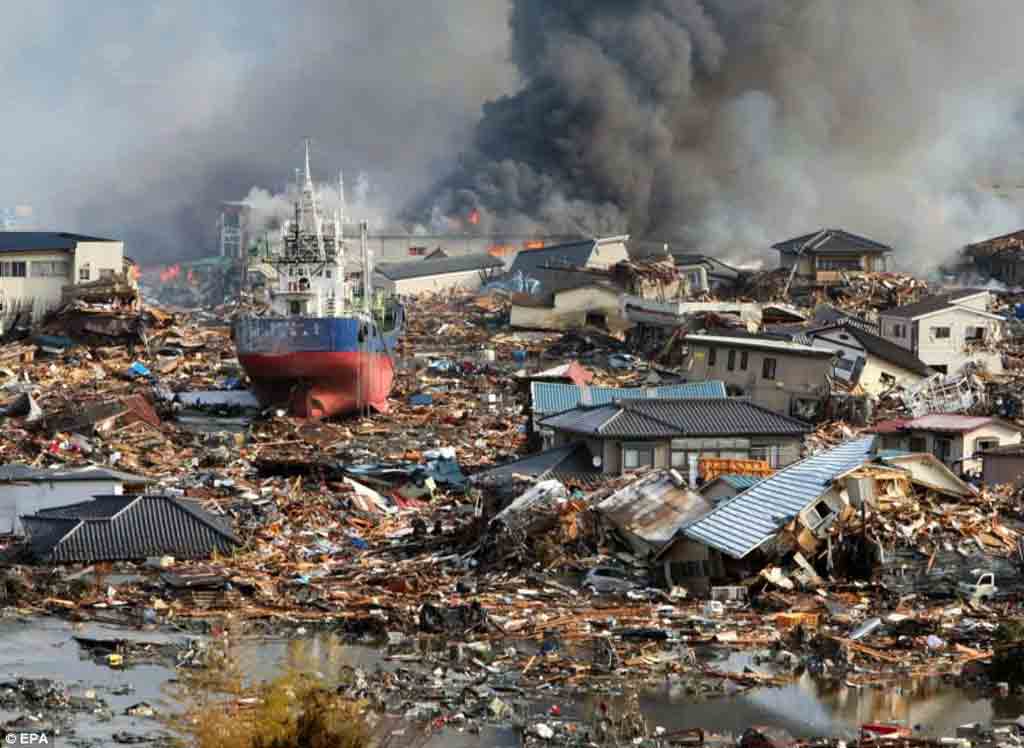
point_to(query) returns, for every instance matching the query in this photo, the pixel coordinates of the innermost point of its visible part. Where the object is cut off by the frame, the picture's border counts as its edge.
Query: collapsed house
(868, 361)
(957, 440)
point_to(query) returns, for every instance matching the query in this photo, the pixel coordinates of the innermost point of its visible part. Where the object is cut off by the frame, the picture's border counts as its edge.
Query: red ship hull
(318, 384)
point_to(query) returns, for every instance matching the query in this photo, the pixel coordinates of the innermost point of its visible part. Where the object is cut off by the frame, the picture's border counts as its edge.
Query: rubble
(375, 529)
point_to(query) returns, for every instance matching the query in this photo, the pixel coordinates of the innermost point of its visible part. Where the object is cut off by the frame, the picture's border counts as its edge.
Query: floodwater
(42, 647)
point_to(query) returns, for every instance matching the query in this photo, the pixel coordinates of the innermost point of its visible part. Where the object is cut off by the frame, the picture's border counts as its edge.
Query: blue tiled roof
(553, 397)
(741, 524)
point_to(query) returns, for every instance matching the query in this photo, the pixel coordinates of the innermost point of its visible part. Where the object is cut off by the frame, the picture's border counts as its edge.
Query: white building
(36, 265)
(27, 490)
(948, 330)
(956, 440)
(467, 273)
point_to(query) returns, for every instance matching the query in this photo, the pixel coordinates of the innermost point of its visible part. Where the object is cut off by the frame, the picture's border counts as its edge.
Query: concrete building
(35, 266)
(787, 377)
(27, 490)
(958, 441)
(233, 229)
(466, 273)
(869, 361)
(632, 434)
(822, 257)
(948, 330)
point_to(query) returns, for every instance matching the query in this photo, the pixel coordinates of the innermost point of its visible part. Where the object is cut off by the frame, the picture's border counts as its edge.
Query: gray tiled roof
(571, 254)
(422, 268)
(744, 522)
(677, 418)
(25, 241)
(931, 304)
(831, 241)
(125, 528)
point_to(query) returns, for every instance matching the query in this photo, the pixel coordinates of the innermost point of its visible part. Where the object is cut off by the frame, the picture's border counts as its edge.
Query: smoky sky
(727, 125)
(719, 125)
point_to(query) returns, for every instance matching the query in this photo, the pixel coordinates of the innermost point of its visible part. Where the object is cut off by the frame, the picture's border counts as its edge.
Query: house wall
(689, 564)
(17, 499)
(998, 469)
(468, 280)
(948, 352)
(962, 446)
(38, 294)
(897, 330)
(606, 254)
(796, 376)
(874, 369)
(97, 256)
(783, 450)
(570, 311)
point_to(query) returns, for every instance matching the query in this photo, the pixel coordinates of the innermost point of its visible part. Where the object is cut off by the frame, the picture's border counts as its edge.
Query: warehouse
(468, 273)
(35, 266)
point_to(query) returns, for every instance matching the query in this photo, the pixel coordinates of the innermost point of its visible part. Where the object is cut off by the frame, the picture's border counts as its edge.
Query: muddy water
(43, 648)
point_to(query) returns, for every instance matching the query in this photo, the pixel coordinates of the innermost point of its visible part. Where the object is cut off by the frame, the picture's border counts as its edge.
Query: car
(605, 579)
(980, 585)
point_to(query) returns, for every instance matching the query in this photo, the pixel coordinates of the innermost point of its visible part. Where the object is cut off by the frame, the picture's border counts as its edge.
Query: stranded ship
(325, 345)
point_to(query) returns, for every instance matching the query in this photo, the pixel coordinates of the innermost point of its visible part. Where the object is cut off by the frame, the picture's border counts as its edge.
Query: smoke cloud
(719, 125)
(727, 125)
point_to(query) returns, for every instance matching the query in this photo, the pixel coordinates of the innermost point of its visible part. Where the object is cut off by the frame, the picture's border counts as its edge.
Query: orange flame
(474, 217)
(538, 244)
(170, 273)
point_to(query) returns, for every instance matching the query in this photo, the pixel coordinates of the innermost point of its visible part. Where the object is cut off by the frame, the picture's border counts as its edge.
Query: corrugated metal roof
(741, 524)
(687, 417)
(125, 528)
(423, 268)
(653, 508)
(555, 397)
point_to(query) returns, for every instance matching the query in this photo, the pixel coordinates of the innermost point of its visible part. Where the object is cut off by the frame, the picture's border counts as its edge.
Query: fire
(170, 273)
(536, 244)
(499, 250)
(474, 217)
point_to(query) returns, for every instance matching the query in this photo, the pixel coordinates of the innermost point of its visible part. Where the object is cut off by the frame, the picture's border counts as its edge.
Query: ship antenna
(309, 173)
(341, 195)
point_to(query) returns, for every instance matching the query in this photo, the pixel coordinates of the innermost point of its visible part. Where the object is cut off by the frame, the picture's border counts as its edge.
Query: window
(679, 459)
(637, 456)
(106, 274)
(693, 279)
(731, 363)
(712, 356)
(974, 333)
(45, 269)
(917, 444)
(819, 513)
(985, 444)
(743, 361)
(844, 364)
(83, 272)
(898, 331)
(294, 307)
(839, 263)
(943, 449)
(13, 269)
(940, 333)
(768, 368)
(887, 379)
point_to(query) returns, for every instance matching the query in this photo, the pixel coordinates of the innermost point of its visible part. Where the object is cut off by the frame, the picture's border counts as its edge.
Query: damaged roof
(745, 340)
(746, 521)
(944, 422)
(831, 241)
(437, 266)
(881, 348)
(555, 397)
(126, 528)
(932, 304)
(677, 418)
(572, 463)
(650, 511)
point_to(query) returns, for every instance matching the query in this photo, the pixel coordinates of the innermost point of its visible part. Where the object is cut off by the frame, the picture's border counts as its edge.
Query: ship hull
(316, 368)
